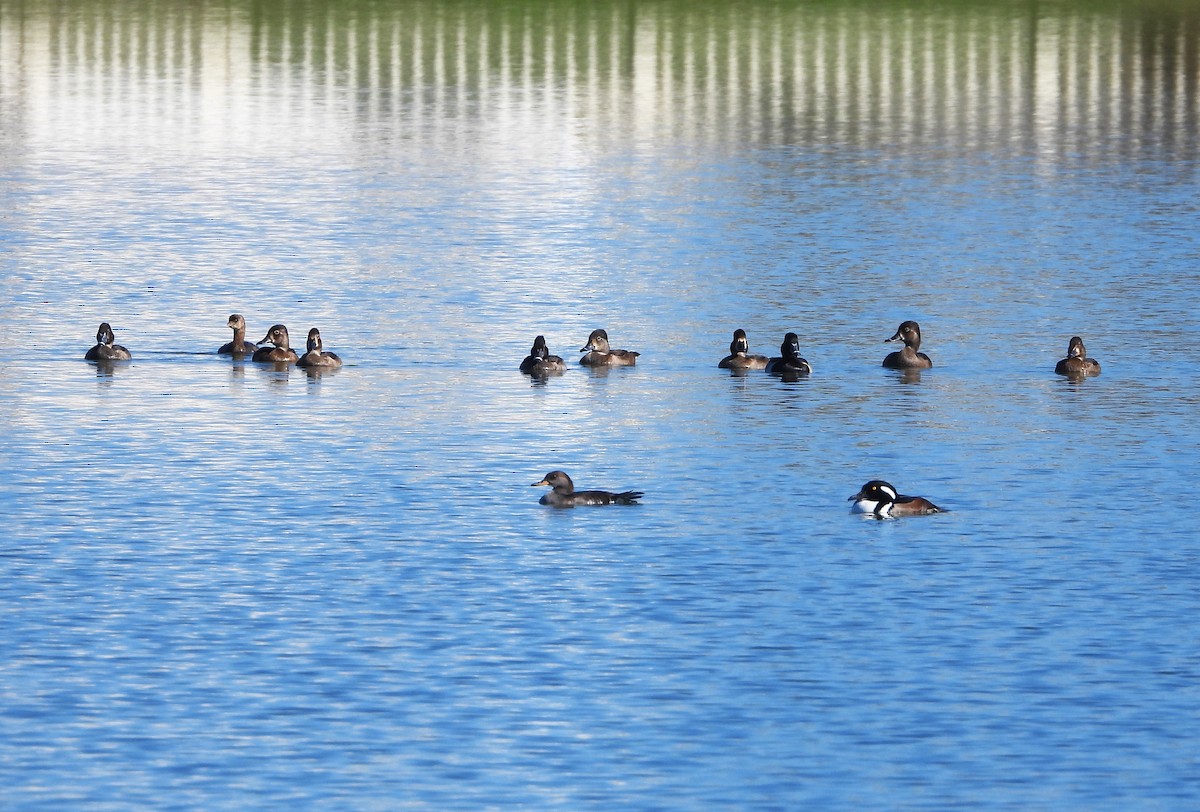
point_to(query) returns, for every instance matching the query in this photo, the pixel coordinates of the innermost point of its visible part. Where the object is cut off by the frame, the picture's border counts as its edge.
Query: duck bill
(536, 484)
(896, 337)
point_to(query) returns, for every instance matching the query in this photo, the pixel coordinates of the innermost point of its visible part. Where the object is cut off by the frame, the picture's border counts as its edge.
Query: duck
(564, 493)
(105, 349)
(281, 352)
(789, 363)
(599, 354)
(739, 354)
(1077, 364)
(908, 358)
(879, 499)
(239, 346)
(540, 362)
(315, 357)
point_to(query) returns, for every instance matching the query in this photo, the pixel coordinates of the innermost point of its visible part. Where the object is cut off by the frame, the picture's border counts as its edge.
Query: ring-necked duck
(789, 363)
(540, 362)
(1077, 364)
(105, 349)
(739, 354)
(879, 499)
(281, 352)
(599, 354)
(908, 358)
(314, 356)
(565, 495)
(239, 346)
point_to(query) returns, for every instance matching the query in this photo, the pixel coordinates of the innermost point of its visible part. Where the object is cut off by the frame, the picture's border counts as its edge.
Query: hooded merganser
(879, 499)
(314, 356)
(281, 353)
(1077, 364)
(908, 358)
(239, 346)
(739, 354)
(565, 495)
(789, 364)
(540, 362)
(599, 354)
(105, 349)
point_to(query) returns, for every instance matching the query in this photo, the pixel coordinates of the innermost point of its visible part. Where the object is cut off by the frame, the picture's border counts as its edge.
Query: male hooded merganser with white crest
(105, 349)
(599, 354)
(239, 346)
(880, 499)
(565, 495)
(789, 364)
(540, 362)
(1077, 364)
(315, 356)
(281, 352)
(739, 354)
(908, 358)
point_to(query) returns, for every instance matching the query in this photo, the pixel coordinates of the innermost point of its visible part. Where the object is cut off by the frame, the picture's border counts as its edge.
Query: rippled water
(227, 586)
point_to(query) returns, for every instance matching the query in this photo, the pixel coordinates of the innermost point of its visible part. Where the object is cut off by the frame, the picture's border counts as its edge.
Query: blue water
(226, 586)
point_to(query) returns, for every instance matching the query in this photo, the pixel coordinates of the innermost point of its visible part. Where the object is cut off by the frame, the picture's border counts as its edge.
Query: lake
(231, 586)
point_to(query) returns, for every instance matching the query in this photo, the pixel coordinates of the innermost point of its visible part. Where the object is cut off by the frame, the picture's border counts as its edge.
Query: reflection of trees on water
(1093, 79)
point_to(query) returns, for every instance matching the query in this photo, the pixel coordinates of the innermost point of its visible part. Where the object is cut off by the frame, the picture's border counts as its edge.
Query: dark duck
(1077, 364)
(789, 363)
(908, 358)
(563, 493)
(280, 352)
(105, 349)
(540, 362)
(239, 346)
(600, 354)
(739, 354)
(315, 356)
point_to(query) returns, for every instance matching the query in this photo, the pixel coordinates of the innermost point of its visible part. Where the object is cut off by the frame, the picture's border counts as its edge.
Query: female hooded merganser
(565, 495)
(282, 352)
(105, 349)
(790, 363)
(1077, 364)
(315, 357)
(739, 354)
(879, 499)
(540, 362)
(908, 358)
(599, 354)
(239, 346)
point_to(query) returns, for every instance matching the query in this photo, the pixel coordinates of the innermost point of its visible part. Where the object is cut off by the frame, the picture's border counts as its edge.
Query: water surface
(229, 586)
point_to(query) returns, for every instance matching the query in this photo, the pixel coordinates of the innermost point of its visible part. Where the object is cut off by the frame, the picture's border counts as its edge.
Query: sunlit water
(226, 586)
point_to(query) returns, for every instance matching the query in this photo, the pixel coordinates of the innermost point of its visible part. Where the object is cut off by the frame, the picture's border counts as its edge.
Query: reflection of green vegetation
(443, 39)
(826, 69)
(554, 37)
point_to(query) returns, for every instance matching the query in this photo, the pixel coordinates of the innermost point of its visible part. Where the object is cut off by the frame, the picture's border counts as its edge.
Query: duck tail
(627, 498)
